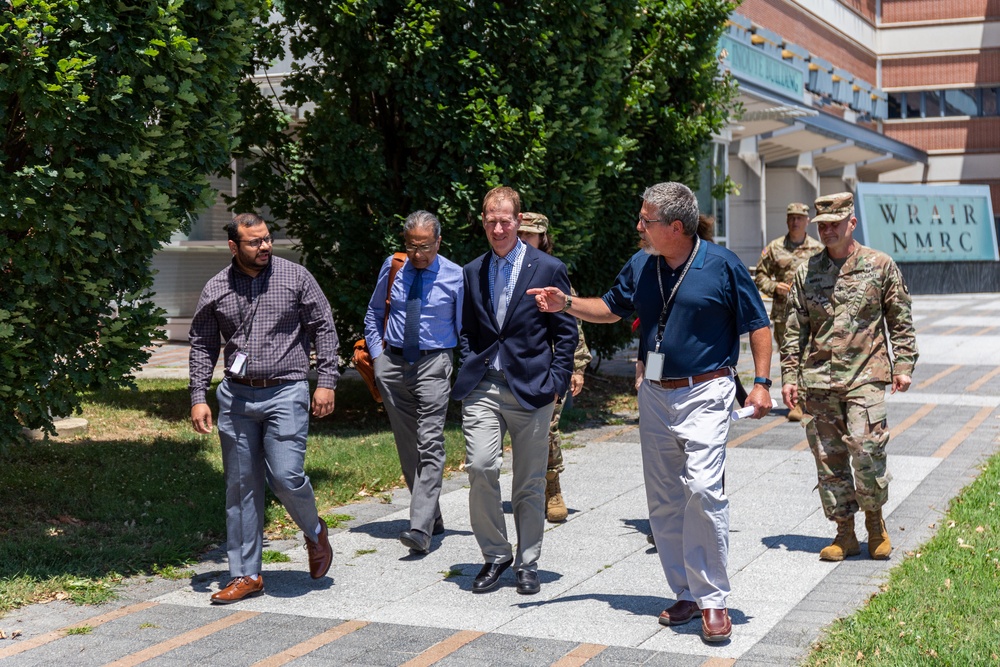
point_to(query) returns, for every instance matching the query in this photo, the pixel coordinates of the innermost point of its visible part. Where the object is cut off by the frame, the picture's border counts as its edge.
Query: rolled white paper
(743, 412)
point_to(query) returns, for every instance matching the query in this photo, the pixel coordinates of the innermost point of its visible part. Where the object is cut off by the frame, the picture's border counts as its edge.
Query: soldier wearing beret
(848, 307)
(777, 266)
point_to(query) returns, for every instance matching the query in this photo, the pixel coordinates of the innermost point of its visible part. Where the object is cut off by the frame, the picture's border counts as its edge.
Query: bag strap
(398, 259)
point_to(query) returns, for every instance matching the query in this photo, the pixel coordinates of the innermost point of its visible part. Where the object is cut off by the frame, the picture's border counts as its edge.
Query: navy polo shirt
(714, 306)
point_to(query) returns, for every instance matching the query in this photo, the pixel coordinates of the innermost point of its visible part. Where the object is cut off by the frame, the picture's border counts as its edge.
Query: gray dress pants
(416, 397)
(489, 412)
(263, 436)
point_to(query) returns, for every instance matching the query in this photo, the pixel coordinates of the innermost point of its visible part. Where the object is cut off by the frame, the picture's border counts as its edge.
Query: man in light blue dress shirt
(413, 365)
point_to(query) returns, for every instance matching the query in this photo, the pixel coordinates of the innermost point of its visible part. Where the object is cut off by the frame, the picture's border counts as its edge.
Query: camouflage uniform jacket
(778, 264)
(582, 356)
(837, 322)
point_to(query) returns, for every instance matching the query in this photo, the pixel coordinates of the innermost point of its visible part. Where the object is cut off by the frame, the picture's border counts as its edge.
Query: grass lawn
(141, 492)
(939, 605)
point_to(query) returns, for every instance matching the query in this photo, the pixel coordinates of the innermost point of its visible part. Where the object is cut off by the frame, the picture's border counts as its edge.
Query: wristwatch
(569, 304)
(764, 381)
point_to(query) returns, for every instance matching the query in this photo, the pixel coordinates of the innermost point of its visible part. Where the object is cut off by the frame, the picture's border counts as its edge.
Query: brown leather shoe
(239, 588)
(679, 613)
(715, 625)
(320, 552)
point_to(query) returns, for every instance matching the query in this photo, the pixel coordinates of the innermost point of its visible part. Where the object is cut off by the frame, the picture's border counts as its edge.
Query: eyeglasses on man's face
(423, 249)
(256, 243)
(645, 222)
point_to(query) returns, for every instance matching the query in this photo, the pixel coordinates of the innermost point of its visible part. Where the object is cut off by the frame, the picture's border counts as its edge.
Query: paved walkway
(602, 586)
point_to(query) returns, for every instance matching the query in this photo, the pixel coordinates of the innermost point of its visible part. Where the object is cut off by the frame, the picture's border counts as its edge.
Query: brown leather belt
(261, 383)
(697, 379)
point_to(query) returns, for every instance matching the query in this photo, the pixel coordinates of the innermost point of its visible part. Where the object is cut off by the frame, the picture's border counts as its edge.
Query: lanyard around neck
(661, 325)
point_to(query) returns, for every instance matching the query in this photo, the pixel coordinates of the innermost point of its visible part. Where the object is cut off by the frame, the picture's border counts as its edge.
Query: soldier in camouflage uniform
(843, 301)
(534, 231)
(776, 268)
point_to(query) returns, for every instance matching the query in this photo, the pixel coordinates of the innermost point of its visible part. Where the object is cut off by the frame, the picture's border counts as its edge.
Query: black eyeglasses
(256, 243)
(419, 248)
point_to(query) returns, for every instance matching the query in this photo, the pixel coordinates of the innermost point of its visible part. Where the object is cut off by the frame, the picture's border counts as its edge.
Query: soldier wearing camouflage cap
(534, 231)
(777, 266)
(835, 355)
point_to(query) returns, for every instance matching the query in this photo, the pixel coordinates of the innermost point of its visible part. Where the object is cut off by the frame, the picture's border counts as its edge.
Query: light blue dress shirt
(440, 307)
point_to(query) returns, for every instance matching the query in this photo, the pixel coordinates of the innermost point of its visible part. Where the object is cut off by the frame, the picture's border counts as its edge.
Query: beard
(647, 247)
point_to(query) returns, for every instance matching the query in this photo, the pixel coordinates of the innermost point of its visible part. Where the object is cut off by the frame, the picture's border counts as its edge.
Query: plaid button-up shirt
(272, 317)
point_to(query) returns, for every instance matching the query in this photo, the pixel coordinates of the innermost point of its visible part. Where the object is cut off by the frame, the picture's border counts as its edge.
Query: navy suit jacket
(536, 348)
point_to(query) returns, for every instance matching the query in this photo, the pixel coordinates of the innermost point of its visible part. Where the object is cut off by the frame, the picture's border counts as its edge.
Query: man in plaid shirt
(267, 310)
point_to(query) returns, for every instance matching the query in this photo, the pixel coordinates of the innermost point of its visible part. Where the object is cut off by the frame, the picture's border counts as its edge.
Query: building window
(973, 102)
(991, 100)
(930, 104)
(961, 102)
(714, 168)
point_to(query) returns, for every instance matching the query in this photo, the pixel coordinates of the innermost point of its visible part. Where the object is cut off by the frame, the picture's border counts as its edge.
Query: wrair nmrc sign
(928, 223)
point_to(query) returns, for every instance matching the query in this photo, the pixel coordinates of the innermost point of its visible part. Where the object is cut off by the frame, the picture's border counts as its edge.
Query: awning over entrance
(784, 130)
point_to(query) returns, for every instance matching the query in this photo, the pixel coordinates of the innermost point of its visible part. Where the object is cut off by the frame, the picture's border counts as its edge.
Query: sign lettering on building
(928, 223)
(753, 64)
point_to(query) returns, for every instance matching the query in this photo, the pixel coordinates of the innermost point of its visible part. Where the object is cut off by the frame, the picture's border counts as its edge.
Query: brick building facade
(904, 91)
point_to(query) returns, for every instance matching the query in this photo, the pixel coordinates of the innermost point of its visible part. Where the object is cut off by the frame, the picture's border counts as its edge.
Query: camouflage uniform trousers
(779, 314)
(847, 431)
(555, 439)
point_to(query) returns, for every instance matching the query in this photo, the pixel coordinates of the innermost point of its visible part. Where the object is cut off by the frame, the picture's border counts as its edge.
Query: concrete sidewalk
(602, 585)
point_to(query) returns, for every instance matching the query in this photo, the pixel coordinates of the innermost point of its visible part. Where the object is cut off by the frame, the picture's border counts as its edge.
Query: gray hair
(674, 201)
(422, 219)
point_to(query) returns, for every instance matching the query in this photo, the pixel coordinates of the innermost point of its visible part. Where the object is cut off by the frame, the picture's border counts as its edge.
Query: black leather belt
(256, 383)
(423, 353)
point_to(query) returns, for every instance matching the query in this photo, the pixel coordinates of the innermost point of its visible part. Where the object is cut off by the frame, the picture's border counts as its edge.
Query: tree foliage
(112, 115)
(407, 104)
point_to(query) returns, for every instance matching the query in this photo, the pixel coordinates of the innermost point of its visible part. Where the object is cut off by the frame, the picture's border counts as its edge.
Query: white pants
(683, 434)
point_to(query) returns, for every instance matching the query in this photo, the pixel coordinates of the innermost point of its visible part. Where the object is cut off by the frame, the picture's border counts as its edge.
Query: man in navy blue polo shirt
(694, 300)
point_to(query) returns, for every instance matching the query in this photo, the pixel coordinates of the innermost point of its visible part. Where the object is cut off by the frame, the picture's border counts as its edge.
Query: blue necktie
(500, 301)
(500, 287)
(411, 330)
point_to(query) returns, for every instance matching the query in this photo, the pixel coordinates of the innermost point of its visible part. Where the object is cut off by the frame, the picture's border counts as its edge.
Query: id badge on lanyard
(238, 366)
(654, 365)
(654, 358)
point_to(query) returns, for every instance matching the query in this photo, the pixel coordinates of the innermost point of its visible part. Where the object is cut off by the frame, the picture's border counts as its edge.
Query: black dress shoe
(489, 576)
(438, 526)
(416, 541)
(527, 582)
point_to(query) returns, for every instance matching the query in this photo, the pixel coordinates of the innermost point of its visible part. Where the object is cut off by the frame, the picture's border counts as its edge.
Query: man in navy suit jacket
(516, 360)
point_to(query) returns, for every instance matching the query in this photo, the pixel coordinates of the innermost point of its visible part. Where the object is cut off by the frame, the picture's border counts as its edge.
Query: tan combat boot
(795, 414)
(879, 546)
(844, 544)
(555, 508)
